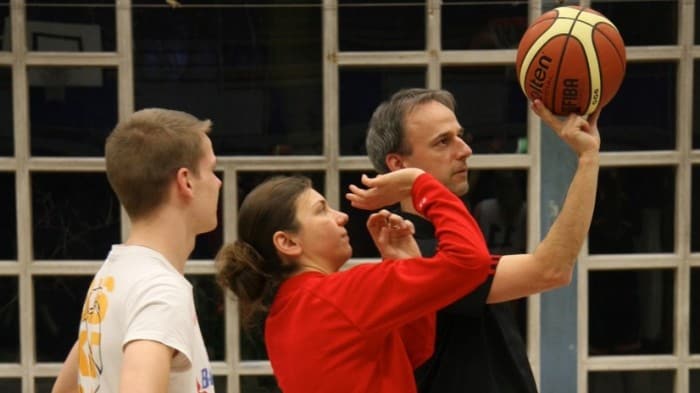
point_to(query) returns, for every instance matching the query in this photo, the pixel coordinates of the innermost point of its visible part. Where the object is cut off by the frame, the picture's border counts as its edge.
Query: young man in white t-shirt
(139, 329)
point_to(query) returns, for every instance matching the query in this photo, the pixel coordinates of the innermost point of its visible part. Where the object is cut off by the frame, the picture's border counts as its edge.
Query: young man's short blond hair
(144, 152)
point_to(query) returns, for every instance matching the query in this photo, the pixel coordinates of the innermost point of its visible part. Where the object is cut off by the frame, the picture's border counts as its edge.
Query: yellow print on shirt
(90, 335)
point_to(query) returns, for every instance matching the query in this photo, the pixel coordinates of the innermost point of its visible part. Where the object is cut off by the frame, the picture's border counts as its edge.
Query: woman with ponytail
(362, 329)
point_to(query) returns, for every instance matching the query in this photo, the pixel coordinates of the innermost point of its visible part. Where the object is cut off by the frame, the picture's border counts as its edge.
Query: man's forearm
(563, 242)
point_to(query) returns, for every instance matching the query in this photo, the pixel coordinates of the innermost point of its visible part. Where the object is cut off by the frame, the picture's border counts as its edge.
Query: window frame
(22, 164)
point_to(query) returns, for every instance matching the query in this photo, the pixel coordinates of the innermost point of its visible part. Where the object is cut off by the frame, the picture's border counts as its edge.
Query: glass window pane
(382, 25)
(630, 312)
(43, 385)
(220, 383)
(697, 21)
(361, 91)
(255, 71)
(696, 100)
(9, 321)
(235, 3)
(360, 240)
(207, 244)
(490, 106)
(627, 217)
(74, 216)
(10, 385)
(478, 24)
(631, 381)
(7, 147)
(259, 384)
(71, 109)
(8, 216)
(58, 302)
(623, 129)
(5, 26)
(694, 381)
(659, 18)
(695, 310)
(695, 209)
(371, 2)
(209, 303)
(73, 27)
(252, 342)
(46, 2)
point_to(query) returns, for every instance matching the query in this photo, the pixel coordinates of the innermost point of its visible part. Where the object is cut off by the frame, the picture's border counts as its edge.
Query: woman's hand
(393, 235)
(383, 190)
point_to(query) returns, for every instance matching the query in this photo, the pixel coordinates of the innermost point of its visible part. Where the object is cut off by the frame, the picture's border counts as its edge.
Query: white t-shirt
(138, 295)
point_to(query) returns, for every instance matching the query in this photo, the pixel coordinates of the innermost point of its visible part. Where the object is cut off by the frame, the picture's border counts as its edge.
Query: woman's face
(322, 235)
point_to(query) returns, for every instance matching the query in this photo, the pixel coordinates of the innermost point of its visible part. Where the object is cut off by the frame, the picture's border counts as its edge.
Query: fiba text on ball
(570, 87)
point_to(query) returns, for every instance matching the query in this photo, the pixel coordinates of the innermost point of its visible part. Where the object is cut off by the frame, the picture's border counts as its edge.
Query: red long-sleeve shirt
(365, 329)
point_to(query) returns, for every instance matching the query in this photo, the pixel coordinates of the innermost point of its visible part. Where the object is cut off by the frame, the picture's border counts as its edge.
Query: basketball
(573, 59)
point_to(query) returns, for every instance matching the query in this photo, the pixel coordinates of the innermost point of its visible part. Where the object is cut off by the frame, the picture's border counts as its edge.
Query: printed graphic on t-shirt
(90, 335)
(207, 381)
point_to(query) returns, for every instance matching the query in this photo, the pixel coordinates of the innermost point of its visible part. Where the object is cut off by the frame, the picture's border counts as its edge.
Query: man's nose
(464, 150)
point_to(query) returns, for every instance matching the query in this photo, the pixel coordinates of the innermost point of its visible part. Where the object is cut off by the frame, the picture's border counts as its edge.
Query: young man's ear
(286, 244)
(182, 181)
(394, 162)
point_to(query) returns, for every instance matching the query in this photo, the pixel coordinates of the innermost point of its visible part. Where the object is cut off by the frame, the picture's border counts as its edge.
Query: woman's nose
(342, 218)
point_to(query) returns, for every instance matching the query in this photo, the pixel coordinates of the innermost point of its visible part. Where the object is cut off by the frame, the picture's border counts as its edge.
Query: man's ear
(394, 161)
(182, 182)
(286, 244)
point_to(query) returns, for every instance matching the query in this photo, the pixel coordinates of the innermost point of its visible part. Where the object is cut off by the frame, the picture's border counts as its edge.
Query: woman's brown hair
(250, 266)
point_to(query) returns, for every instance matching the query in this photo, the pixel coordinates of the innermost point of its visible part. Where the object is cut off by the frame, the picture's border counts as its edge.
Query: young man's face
(206, 185)
(435, 139)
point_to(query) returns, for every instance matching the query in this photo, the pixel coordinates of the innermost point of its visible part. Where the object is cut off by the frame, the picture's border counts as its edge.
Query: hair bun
(246, 253)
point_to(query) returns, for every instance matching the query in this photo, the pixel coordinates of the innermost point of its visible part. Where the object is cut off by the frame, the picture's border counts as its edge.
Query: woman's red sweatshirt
(365, 329)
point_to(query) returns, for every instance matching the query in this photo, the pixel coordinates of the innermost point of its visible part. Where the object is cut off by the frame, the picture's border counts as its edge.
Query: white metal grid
(683, 158)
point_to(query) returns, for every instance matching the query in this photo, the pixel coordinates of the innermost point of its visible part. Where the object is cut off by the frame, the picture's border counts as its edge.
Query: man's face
(434, 137)
(207, 186)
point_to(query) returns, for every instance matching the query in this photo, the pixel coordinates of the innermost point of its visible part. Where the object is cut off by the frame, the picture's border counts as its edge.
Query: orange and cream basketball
(571, 58)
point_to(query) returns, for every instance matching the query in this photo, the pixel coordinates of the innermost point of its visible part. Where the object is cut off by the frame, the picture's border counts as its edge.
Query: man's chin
(460, 189)
(208, 228)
